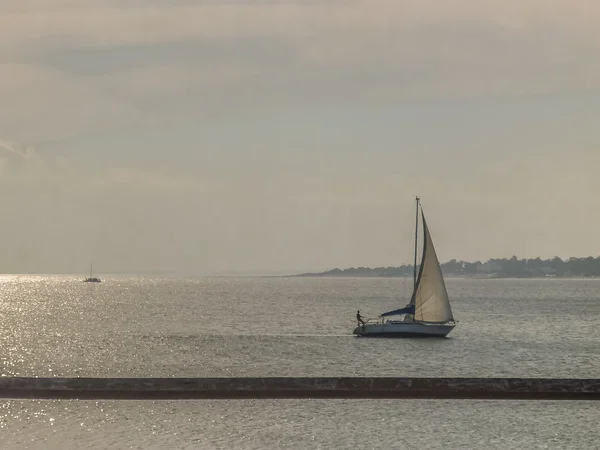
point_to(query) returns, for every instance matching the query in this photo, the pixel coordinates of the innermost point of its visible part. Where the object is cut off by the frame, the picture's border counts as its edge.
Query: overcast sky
(215, 137)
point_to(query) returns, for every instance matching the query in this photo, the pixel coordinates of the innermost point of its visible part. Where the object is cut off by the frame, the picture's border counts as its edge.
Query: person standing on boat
(359, 319)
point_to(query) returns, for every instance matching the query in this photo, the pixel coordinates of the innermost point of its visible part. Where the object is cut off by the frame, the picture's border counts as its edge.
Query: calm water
(149, 327)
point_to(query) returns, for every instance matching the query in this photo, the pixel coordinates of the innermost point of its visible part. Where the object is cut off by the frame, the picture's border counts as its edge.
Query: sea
(227, 327)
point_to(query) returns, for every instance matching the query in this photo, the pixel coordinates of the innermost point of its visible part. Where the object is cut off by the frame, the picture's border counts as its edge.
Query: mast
(416, 242)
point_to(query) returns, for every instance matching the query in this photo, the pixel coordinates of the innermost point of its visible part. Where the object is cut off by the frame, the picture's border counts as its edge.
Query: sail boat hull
(404, 330)
(92, 280)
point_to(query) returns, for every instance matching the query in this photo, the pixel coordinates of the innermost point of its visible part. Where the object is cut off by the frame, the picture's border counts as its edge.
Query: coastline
(573, 267)
(446, 276)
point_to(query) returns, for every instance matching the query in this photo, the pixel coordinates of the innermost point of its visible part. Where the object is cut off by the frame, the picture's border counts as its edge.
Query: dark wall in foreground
(337, 387)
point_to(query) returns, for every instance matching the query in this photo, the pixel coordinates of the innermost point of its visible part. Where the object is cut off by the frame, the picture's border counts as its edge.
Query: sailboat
(91, 278)
(428, 313)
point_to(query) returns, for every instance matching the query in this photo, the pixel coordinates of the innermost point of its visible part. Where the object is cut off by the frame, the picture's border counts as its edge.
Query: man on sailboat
(359, 319)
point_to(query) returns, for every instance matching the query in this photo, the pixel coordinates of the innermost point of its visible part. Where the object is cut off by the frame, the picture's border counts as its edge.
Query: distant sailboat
(429, 313)
(91, 278)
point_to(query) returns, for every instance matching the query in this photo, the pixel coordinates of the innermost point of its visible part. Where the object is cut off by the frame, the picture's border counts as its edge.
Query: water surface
(156, 327)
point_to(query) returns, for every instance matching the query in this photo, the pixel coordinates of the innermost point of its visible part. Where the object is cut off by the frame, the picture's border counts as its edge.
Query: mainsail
(430, 298)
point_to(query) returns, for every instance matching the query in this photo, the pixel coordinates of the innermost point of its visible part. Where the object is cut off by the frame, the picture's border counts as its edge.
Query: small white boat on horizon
(428, 313)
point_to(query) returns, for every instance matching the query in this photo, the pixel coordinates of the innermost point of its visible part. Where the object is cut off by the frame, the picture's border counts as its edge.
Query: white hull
(404, 329)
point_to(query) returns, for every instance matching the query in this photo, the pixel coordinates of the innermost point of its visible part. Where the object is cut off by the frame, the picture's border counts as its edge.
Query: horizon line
(259, 273)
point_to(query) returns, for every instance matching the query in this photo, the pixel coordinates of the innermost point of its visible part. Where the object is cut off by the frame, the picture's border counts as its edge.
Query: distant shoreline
(588, 267)
(447, 276)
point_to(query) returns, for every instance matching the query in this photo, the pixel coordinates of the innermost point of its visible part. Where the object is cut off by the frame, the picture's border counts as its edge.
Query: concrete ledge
(292, 387)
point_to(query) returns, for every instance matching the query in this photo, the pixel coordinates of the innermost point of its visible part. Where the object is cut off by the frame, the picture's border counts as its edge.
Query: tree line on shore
(500, 268)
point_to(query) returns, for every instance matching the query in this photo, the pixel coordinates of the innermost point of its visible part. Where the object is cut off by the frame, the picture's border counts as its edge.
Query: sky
(211, 137)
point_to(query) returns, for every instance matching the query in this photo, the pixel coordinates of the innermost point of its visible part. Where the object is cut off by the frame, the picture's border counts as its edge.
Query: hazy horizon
(266, 137)
(240, 273)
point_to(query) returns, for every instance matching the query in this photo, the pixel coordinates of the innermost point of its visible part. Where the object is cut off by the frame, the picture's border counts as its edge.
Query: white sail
(430, 297)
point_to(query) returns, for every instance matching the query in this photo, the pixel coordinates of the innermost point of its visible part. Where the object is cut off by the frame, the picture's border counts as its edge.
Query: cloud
(45, 103)
(13, 156)
(136, 22)
(63, 213)
(26, 169)
(305, 211)
(27, 153)
(342, 106)
(82, 69)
